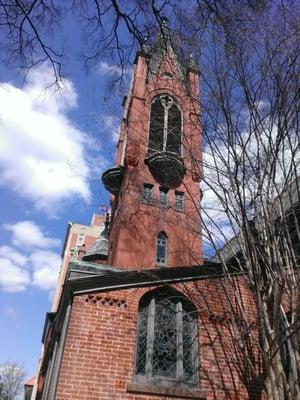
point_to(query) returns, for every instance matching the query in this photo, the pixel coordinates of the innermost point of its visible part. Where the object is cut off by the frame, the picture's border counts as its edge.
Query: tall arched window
(165, 126)
(167, 340)
(161, 248)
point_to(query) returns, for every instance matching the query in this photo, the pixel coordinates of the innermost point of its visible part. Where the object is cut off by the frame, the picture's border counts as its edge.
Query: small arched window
(161, 248)
(167, 340)
(165, 126)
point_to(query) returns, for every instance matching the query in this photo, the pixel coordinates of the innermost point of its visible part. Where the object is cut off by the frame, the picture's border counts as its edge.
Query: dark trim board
(84, 277)
(106, 278)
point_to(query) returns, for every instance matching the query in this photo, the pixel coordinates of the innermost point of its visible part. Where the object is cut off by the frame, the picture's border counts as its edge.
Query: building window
(165, 126)
(179, 200)
(163, 197)
(167, 340)
(80, 239)
(147, 193)
(161, 248)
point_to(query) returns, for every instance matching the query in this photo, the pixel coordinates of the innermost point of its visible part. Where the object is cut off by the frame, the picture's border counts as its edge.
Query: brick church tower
(136, 318)
(155, 186)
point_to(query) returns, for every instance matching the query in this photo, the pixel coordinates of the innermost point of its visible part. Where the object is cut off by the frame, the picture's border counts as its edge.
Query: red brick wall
(98, 360)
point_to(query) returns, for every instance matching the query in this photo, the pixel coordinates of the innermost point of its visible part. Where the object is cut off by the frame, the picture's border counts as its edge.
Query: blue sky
(54, 145)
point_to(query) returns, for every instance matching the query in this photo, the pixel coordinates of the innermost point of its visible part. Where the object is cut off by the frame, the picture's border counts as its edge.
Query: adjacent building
(78, 239)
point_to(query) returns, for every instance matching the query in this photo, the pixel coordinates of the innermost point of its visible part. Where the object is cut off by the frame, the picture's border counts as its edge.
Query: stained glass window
(165, 339)
(167, 342)
(142, 341)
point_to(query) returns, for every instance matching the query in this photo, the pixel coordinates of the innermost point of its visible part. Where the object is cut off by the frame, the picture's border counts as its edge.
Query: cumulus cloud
(13, 255)
(42, 156)
(12, 277)
(247, 173)
(27, 234)
(37, 265)
(46, 267)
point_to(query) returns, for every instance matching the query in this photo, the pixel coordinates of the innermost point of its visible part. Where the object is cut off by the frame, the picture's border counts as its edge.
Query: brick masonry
(99, 356)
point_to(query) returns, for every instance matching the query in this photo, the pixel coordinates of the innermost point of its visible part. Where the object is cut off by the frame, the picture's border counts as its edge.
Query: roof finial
(164, 21)
(164, 33)
(192, 63)
(145, 45)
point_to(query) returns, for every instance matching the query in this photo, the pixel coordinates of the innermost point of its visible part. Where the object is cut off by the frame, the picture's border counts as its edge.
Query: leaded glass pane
(142, 340)
(187, 340)
(165, 339)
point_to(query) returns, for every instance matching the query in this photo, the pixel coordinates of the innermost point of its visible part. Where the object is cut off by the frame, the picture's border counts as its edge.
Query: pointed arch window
(165, 126)
(161, 248)
(167, 340)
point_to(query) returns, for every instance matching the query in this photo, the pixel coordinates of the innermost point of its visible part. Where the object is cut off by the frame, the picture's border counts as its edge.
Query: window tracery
(165, 126)
(167, 342)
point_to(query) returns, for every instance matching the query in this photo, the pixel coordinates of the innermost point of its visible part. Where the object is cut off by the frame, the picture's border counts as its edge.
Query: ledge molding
(183, 393)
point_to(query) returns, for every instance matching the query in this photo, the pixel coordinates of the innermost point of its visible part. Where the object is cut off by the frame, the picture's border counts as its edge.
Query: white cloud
(12, 277)
(112, 69)
(41, 151)
(13, 255)
(37, 265)
(41, 271)
(231, 178)
(27, 234)
(46, 267)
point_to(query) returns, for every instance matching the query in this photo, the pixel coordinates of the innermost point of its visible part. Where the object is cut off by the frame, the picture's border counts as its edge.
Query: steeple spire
(161, 47)
(163, 39)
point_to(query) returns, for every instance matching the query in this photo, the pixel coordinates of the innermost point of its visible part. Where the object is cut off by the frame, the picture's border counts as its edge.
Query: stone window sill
(148, 202)
(183, 393)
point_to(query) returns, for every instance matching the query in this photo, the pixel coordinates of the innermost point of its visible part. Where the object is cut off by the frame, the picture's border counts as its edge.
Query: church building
(142, 315)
